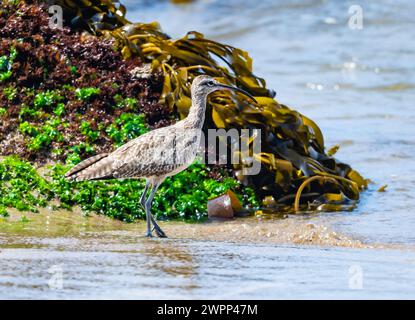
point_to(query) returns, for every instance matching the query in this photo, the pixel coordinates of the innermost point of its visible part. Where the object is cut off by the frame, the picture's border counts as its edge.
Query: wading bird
(157, 154)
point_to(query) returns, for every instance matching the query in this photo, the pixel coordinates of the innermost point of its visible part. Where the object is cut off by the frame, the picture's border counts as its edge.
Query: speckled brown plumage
(158, 153)
(155, 155)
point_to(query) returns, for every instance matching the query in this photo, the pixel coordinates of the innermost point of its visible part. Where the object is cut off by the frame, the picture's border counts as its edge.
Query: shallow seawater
(358, 85)
(63, 254)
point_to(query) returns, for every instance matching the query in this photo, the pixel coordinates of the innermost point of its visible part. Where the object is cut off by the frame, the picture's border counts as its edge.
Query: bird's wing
(95, 168)
(85, 164)
(157, 152)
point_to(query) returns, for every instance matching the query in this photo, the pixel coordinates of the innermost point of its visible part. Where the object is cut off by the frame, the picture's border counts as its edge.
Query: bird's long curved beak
(226, 87)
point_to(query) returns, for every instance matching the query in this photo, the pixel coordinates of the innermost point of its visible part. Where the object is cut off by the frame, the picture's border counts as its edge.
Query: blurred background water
(358, 85)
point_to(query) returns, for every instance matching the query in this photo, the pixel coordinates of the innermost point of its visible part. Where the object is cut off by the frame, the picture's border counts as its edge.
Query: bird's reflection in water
(171, 258)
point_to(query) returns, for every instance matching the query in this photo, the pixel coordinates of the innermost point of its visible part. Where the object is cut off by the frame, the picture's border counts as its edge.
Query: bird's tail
(94, 168)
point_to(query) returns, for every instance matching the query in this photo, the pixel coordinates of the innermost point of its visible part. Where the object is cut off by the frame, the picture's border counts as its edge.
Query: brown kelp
(293, 155)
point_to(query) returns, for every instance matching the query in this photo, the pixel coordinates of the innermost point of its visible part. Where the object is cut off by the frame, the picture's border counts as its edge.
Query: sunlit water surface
(358, 85)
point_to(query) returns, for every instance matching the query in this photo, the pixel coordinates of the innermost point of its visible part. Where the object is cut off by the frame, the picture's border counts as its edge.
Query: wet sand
(64, 254)
(268, 229)
(263, 229)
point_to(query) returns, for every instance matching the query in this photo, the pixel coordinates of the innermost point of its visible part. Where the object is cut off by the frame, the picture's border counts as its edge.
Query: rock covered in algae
(293, 150)
(292, 144)
(69, 91)
(66, 95)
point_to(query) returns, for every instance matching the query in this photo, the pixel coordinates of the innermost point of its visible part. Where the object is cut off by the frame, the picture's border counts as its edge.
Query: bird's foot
(160, 233)
(149, 234)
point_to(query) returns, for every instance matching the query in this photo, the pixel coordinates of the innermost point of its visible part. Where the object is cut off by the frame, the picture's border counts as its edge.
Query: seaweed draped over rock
(293, 157)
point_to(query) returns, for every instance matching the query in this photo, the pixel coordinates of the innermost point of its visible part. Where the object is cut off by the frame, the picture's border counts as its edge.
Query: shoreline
(48, 224)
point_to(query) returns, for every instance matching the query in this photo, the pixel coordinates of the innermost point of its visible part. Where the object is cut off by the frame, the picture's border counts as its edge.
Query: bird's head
(204, 85)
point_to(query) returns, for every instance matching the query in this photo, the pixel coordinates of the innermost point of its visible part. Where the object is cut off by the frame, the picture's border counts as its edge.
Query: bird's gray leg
(143, 196)
(147, 207)
(160, 233)
(148, 204)
(143, 204)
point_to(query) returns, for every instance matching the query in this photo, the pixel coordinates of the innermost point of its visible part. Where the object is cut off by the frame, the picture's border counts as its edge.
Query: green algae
(6, 62)
(128, 126)
(86, 93)
(183, 196)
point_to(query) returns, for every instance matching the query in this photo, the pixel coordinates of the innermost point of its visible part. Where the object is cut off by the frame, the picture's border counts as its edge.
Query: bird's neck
(196, 116)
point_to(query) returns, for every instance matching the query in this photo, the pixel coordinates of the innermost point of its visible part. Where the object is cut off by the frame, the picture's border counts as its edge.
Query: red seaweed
(60, 61)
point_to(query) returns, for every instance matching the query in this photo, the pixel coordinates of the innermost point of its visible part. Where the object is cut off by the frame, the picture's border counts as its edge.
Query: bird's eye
(210, 84)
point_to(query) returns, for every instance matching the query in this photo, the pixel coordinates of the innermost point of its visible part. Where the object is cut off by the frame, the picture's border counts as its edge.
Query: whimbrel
(157, 154)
